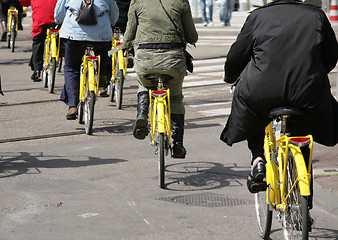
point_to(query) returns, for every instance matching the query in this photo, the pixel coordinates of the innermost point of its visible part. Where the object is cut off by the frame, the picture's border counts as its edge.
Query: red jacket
(43, 13)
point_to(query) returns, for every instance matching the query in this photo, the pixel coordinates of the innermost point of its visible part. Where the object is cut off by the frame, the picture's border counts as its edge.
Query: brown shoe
(72, 113)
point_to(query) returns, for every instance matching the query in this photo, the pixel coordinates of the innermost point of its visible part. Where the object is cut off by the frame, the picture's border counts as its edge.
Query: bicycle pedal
(255, 187)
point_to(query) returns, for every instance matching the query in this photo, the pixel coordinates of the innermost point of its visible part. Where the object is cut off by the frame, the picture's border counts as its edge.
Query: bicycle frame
(53, 42)
(159, 113)
(88, 71)
(122, 64)
(12, 11)
(276, 171)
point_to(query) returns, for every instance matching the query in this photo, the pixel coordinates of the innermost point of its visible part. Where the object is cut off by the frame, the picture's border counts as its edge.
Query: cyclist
(77, 36)
(4, 6)
(121, 24)
(282, 56)
(159, 50)
(43, 18)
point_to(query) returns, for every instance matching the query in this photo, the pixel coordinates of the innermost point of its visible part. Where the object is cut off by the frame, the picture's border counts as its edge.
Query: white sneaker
(205, 24)
(210, 24)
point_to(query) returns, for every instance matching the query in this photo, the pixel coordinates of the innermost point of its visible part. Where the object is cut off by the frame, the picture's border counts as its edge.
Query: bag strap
(176, 28)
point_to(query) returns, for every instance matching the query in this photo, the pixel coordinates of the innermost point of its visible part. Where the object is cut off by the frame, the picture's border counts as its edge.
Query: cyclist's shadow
(194, 176)
(17, 163)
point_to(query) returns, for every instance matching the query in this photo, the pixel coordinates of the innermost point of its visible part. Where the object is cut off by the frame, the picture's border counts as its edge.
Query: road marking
(202, 83)
(87, 215)
(207, 104)
(216, 112)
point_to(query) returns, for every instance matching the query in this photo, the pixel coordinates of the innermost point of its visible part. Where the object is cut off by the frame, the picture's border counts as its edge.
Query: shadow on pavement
(14, 164)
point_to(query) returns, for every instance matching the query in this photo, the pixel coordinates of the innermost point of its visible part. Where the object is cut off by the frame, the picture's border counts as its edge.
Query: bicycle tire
(60, 64)
(13, 34)
(264, 215)
(119, 88)
(161, 154)
(45, 77)
(111, 90)
(80, 118)
(51, 79)
(89, 112)
(296, 216)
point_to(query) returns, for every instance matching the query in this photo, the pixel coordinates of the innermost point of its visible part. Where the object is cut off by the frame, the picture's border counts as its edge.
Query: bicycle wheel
(161, 154)
(119, 88)
(264, 215)
(13, 34)
(60, 64)
(296, 216)
(51, 75)
(111, 90)
(45, 77)
(81, 110)
(89, 112)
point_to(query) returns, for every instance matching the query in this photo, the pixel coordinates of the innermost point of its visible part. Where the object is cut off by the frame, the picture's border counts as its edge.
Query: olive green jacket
(148, 23)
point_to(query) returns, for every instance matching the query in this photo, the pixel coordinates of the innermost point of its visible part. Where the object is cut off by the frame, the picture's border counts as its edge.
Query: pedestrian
(159, 50)
(4, 6)
(282, 57)
(43, 18)
(77, 37)
(207, 15)
(225, 11)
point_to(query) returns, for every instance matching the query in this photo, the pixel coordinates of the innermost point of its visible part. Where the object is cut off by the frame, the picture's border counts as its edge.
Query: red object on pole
(334, 11)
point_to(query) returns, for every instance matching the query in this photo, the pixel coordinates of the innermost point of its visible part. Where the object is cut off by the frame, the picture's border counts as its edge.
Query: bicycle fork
(87, 70)
(159, 112)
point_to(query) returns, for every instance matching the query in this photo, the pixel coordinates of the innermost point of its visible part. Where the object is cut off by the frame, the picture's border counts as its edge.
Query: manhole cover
(207, 199)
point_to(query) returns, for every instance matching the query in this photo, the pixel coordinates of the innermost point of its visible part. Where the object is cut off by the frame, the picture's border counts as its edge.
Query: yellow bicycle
(89, 87)
(119, 70)
(51, 58)
(12, 26)
(288, 178)
(160, 122)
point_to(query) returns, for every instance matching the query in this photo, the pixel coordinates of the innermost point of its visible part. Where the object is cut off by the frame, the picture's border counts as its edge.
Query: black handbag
(87, 14)
(188, 57)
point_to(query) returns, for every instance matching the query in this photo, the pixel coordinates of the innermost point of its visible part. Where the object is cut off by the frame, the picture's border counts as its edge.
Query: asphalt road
(56, 182)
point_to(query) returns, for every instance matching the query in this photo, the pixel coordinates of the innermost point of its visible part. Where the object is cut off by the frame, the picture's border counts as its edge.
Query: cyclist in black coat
(282, 57)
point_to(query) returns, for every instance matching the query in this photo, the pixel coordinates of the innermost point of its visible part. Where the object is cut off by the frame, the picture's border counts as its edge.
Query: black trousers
(256, 146)
(36, 62)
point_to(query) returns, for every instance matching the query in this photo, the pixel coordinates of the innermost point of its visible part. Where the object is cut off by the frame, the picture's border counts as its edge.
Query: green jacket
(148, 23)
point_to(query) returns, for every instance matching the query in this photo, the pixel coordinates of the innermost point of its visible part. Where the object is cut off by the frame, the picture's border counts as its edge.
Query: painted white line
(87, 215)
(194, 105)
(216, 112)
(201, 83)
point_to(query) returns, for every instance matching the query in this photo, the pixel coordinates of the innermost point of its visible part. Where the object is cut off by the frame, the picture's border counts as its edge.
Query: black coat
(282, 57)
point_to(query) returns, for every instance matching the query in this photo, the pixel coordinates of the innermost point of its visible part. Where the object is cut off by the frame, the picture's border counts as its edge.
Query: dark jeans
(256, 146)
(74, 51)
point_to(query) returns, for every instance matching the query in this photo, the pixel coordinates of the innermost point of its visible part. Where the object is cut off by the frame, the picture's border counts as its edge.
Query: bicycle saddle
(275, 112)
(155, 76)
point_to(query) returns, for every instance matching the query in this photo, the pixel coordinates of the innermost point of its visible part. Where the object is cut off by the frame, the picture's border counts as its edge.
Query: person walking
(77, 37)
(43, 18)
(160, 50)
(207, 15)
(225, 11)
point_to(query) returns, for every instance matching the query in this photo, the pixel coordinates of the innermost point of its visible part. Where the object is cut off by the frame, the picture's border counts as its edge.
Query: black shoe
(140, 130)
(179, 150)
(36, 76)
(255, 181)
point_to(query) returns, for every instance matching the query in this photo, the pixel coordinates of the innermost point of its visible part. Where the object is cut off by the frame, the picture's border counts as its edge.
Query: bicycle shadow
(13, 164)
(195, 176)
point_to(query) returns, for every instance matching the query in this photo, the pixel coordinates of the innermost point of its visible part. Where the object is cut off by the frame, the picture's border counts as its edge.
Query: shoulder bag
(188, 57)
(86, 13)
